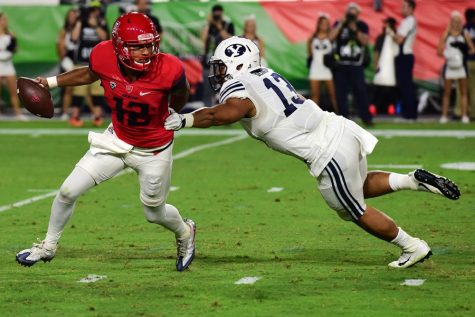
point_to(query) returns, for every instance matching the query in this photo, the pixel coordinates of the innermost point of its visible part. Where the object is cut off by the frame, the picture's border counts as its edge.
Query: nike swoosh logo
(402, 263)
(143, 93)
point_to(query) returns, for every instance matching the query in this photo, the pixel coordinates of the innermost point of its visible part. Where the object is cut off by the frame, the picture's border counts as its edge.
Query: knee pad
(152, 193)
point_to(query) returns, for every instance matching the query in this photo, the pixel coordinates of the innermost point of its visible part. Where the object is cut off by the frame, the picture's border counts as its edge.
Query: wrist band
(189, 119)
(52, 82)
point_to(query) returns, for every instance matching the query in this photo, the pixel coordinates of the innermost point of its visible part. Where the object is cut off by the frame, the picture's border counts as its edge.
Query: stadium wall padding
(284, 26)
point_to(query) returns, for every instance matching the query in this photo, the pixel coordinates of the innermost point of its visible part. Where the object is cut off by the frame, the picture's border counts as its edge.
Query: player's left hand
(175, 121)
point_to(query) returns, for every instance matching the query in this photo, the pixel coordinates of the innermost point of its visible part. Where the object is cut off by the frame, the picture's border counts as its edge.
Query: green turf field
(311, 262)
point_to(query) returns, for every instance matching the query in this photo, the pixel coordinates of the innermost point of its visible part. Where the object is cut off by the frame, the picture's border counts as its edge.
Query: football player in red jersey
(140, 85)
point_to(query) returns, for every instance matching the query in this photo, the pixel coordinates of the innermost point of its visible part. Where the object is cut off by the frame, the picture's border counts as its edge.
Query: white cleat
(38, 252)
(186, 248)
(430, 182)
(408, 259)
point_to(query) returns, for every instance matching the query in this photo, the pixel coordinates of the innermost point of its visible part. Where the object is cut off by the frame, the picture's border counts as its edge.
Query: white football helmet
(233, 56)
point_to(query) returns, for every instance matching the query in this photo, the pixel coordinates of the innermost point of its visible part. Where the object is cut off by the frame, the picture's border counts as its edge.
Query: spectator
(7, 70)
(217, 28)
(89, 31)
(143, 6)
(405, 36)
(318, 46)
(469, 28)
(250, 33)
(385, 50)
(65, 49)
(351, 36)
(453, 43)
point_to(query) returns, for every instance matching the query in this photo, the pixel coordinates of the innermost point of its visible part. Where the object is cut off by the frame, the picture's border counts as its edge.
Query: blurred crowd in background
(338, 52)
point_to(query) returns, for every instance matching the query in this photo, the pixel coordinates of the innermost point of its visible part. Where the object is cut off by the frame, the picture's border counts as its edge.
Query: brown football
(35, 98)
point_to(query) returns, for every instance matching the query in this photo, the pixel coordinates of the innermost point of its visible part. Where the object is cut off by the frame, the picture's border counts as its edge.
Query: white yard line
(27, 201)
(231, 132)
(180, 155)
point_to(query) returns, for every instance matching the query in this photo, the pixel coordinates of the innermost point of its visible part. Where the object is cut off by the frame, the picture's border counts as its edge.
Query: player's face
(141, 53)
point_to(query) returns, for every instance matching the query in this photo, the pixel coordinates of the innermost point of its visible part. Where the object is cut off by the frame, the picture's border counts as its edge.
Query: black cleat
(436, 184)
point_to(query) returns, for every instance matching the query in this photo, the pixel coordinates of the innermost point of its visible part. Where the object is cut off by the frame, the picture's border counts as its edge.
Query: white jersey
(284, 121)
(408, 30)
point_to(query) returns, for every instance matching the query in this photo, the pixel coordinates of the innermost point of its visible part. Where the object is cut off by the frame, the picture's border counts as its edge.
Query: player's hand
(42, 81)
(175, 121)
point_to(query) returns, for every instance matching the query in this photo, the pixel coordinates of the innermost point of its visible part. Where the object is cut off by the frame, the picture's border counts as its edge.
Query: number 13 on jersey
(285, 91)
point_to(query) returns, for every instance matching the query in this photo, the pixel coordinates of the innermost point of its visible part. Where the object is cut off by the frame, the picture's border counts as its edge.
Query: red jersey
(139, 108)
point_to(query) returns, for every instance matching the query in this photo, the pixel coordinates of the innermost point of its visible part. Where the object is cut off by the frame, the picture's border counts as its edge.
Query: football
(36, 98)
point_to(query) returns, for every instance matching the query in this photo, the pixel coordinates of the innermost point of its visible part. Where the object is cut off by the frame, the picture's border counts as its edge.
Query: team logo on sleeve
(235, 50)
(113, 85)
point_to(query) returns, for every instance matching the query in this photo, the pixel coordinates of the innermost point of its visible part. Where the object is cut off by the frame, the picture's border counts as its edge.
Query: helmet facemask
(142, 62)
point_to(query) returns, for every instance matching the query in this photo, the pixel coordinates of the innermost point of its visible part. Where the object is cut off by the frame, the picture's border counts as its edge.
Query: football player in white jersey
(334, 148)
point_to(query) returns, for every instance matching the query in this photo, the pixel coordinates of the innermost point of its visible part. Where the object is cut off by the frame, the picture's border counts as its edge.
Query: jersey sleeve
(406, 26)
(233, 89)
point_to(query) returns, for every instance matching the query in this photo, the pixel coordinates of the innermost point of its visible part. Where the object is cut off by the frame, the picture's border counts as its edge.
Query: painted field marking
(461, 166)
(275, 189)
(413, 282)
(91, 278)
(397, 166)
(180, 155)
(232, 132)
(248, 280)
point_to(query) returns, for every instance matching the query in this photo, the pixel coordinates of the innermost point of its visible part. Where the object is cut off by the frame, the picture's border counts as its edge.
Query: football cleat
(186, 248)
(409, 258)
(38, 252)
(430, 182)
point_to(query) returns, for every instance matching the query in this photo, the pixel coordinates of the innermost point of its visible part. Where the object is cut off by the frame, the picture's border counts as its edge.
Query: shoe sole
(32, 263)
(448, 188)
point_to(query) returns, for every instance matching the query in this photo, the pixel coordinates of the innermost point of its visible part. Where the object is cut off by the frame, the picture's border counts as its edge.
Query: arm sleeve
(233, 89)
(179, 82)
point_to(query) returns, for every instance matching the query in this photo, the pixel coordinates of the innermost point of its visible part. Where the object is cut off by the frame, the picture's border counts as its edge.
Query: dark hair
(411, 4)
(66, 26)
(217, 7)
(469, 14)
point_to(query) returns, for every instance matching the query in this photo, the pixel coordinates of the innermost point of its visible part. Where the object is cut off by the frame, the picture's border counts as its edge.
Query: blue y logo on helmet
(235, 50)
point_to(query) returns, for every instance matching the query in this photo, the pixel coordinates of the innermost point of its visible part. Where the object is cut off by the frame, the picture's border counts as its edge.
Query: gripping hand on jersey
(175, 121)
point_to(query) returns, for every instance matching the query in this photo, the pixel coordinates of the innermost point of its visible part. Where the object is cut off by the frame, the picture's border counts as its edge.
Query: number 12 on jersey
(289, 97)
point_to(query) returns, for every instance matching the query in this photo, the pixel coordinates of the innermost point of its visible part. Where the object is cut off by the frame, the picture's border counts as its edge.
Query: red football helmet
(135, 29)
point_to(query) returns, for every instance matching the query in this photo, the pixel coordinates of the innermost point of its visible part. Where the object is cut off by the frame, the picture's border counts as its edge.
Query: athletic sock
(401, 181)
(77, 183)
(168, 216)
(404, 241)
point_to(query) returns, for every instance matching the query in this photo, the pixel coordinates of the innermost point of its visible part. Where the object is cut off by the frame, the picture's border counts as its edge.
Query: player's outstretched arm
(75, 77)
(233, 110)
